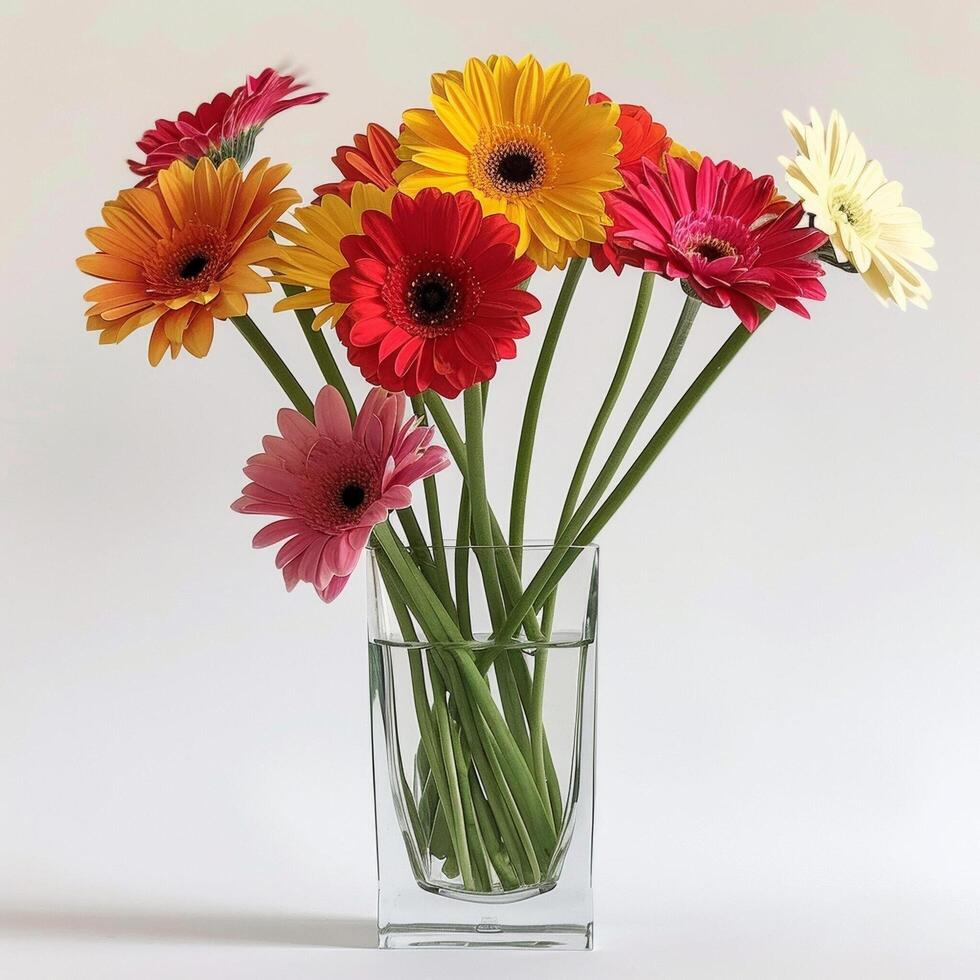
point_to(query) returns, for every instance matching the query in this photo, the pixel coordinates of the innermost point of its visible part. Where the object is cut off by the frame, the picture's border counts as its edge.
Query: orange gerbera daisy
(372, 160)
(179, 253)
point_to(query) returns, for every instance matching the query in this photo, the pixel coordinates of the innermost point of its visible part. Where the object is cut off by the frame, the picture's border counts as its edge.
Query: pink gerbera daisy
(714, 228)
(222, 128)
(331, 482)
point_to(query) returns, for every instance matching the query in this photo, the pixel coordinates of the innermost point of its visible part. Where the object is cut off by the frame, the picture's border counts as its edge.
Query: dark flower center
(710, 237)
(429, 295)
(516, 168)
(714, 248)
(513, 161)
(194, 266)
(432, 298)
(352, 496)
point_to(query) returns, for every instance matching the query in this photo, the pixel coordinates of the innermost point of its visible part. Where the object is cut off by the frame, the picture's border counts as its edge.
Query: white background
(789, 744)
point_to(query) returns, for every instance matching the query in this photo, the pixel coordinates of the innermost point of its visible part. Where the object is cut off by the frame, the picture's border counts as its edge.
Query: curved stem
(560, 557)
(529, 428)
(276, 365)
(639, 414)
(640, 310)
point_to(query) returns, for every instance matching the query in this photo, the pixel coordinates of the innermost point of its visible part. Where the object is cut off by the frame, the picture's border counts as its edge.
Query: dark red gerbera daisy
(222, 128)
(714, 229)
(371, 160)
(432, 294)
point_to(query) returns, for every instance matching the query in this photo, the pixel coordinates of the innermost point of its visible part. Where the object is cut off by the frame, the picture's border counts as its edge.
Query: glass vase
(483, 754)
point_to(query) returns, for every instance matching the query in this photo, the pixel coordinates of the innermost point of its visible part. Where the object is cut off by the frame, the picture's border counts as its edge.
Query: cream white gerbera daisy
(859, 209)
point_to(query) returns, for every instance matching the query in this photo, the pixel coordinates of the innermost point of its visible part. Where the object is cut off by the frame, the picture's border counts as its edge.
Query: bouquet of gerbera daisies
(418, 261)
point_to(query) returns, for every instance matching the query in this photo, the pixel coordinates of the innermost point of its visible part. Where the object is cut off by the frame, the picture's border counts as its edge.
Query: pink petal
(296, 428)
(334, 588)
(277, 531)
(330, 412)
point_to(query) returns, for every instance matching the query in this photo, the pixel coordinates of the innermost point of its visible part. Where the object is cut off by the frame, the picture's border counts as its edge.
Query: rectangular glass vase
(484, 755)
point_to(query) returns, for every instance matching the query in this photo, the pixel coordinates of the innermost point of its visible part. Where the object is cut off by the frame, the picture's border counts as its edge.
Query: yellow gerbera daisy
(527, 143)
(315, 254)
(860, 211)
(180, 251)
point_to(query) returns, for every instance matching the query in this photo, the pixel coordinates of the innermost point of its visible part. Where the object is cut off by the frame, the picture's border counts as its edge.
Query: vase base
(484, 934)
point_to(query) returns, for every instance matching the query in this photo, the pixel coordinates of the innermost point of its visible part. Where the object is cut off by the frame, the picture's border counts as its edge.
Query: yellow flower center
(513, 160)
(848, 208)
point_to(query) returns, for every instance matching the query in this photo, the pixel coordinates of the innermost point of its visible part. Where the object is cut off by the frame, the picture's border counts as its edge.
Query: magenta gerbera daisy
(222, 128)
(433, 294)
(714, 229)
(331, 483)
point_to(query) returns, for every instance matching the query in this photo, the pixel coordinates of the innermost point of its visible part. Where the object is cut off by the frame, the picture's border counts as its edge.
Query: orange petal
(175, 322)
(244, 280)
(158, 344)
(116, 243)
(147, 204)
(109, 267)
(198, 336)
(228, 304)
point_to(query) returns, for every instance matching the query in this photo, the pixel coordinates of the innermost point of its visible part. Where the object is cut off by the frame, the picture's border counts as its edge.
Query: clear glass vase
(484, 755)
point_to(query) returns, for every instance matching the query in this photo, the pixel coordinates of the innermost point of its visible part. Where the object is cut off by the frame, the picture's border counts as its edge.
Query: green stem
(536, 722)
(513, 830)
(321, 351)
(491, 836)
(461, 564)
(532, 411)
(507, 568)
(276, 365)
(452, 766)
(433, 512)
(560, 557)
(423, 712)
(515, 776)
(612, 396)
(483, 532)
(639, 414)
(476, 479)
(640, 309)
(479, 858)
(608, 471)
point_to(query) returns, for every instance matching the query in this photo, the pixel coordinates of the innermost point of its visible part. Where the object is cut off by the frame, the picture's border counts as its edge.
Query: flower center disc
(432, 298)
(513, 161)
(352, 496)
(341, 482)
(194, 266)
(430, 295)
(711, 237)
(847, 208)
(517, 168)
(713, 248)
(188, 263)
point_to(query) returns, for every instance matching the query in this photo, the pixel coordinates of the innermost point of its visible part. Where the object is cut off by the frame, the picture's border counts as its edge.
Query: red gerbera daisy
(432, 294)
(643, 139)
(713, 229)
(371, 160)
(222, 128)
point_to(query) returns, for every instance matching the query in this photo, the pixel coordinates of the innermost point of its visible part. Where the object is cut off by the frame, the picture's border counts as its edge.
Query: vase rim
(533, 545)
